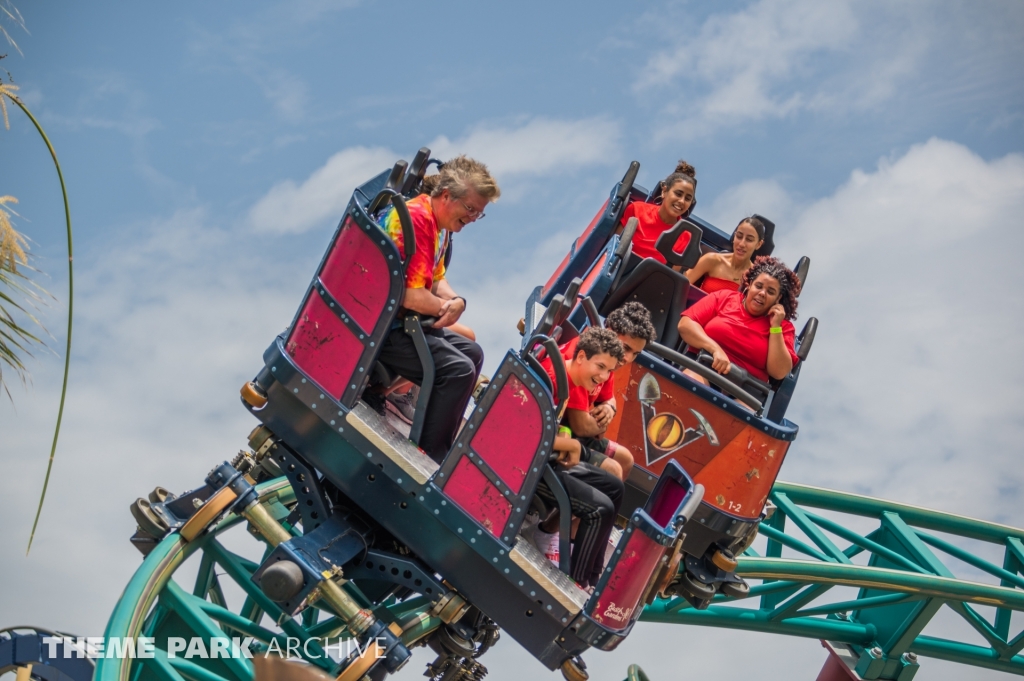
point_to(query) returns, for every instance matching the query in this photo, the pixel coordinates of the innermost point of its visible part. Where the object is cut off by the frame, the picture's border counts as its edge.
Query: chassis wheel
(157, 603)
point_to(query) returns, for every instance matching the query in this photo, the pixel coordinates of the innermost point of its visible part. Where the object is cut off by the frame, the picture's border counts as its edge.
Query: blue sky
(209, 150)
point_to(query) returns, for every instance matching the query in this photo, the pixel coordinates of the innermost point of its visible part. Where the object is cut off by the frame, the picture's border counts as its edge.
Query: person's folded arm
(453, 305)
(582, 423)
(423, 301)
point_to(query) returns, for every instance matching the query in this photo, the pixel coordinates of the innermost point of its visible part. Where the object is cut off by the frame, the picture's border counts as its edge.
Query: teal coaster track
(904, 582)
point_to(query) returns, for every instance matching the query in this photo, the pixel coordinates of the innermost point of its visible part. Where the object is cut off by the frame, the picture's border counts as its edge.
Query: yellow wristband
(775, 329)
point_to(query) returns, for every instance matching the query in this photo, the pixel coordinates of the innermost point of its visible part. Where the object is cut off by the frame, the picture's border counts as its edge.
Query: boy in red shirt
(632, 324)
(595, 495)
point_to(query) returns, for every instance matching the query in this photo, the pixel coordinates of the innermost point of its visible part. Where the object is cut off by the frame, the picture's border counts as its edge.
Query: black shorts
(595, 450)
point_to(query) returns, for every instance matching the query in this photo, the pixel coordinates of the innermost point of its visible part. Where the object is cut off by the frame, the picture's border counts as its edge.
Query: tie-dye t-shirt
(427, 265)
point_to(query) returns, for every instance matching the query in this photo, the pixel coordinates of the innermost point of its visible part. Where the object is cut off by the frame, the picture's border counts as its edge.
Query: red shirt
(603, 392)
(579, 397)
(650, 228)
(743, 337)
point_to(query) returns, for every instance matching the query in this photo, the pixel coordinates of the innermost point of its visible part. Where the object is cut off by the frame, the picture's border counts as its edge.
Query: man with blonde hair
(455, 197)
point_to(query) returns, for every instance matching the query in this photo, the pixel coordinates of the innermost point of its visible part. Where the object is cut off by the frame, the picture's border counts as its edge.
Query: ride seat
(660, 289)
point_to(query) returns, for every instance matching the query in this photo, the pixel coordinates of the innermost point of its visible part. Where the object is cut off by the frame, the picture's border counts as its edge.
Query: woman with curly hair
(724, 271)
(750, 327)
(678, 192)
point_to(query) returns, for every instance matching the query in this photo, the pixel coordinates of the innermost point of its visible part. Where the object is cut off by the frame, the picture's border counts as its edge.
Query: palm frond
(8, 12)
(12, 244)
(7, 91)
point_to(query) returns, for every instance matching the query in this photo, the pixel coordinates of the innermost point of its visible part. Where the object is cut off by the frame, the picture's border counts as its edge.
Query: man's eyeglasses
(472, 213)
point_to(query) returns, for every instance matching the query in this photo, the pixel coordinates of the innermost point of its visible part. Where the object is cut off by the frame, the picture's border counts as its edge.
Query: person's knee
(465, 371)
(612, 466)
(607, 508)
(475, 353)
(615, 489)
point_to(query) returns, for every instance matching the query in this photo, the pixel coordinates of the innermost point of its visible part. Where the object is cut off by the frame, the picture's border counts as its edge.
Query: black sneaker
(375, 401)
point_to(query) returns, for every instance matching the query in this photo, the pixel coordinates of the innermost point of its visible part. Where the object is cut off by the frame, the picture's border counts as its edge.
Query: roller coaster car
(731, 438)
(379, 513)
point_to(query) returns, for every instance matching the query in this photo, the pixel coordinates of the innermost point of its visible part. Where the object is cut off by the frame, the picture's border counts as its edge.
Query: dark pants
(457, 363)
(595, 497)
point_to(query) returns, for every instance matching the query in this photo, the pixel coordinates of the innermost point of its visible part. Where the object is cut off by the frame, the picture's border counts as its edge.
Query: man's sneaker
(530, 523)
(374, 400)
(547, 544)
(403, 406)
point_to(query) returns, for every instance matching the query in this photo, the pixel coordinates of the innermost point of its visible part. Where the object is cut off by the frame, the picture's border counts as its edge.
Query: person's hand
(720, 361)
(777, 313)
(603, 415)
(571, 456)
(450, 312)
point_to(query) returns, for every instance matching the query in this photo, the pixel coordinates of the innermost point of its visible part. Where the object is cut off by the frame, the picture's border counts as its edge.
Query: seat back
(417, 169)
(660, 289)
(492, 470)
(586, 248)
(348, 309)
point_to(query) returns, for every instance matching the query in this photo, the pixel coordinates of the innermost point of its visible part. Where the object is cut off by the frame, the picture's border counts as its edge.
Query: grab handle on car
(398, 201)
(626, 186)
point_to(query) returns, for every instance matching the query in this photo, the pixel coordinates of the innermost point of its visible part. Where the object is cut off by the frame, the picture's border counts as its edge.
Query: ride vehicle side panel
(348, 309)
(419, 517)
(664, 416)
(358, 454)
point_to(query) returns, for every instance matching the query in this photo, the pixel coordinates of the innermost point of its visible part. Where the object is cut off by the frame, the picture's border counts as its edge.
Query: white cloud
(540, 147)
(773, 59)
(914, 384)
(292, 208)
(761, 196)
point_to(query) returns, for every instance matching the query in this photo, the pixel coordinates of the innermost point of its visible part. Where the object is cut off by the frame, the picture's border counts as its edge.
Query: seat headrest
(769, 236)
(806, 338)
(667, 241)
(803, 265)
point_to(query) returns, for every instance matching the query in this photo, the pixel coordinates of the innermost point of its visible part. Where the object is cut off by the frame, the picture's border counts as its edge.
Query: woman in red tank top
(724, 271)
(678, 192)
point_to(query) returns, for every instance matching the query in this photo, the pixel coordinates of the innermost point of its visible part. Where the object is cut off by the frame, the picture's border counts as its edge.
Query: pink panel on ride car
(510, 433)
(356, 274)
(664, 507)
(474, 493)
(323, 347)
(621, 595)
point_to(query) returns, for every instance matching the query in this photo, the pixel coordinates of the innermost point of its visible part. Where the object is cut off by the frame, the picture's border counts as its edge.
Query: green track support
(906, 579)
(155, 605)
